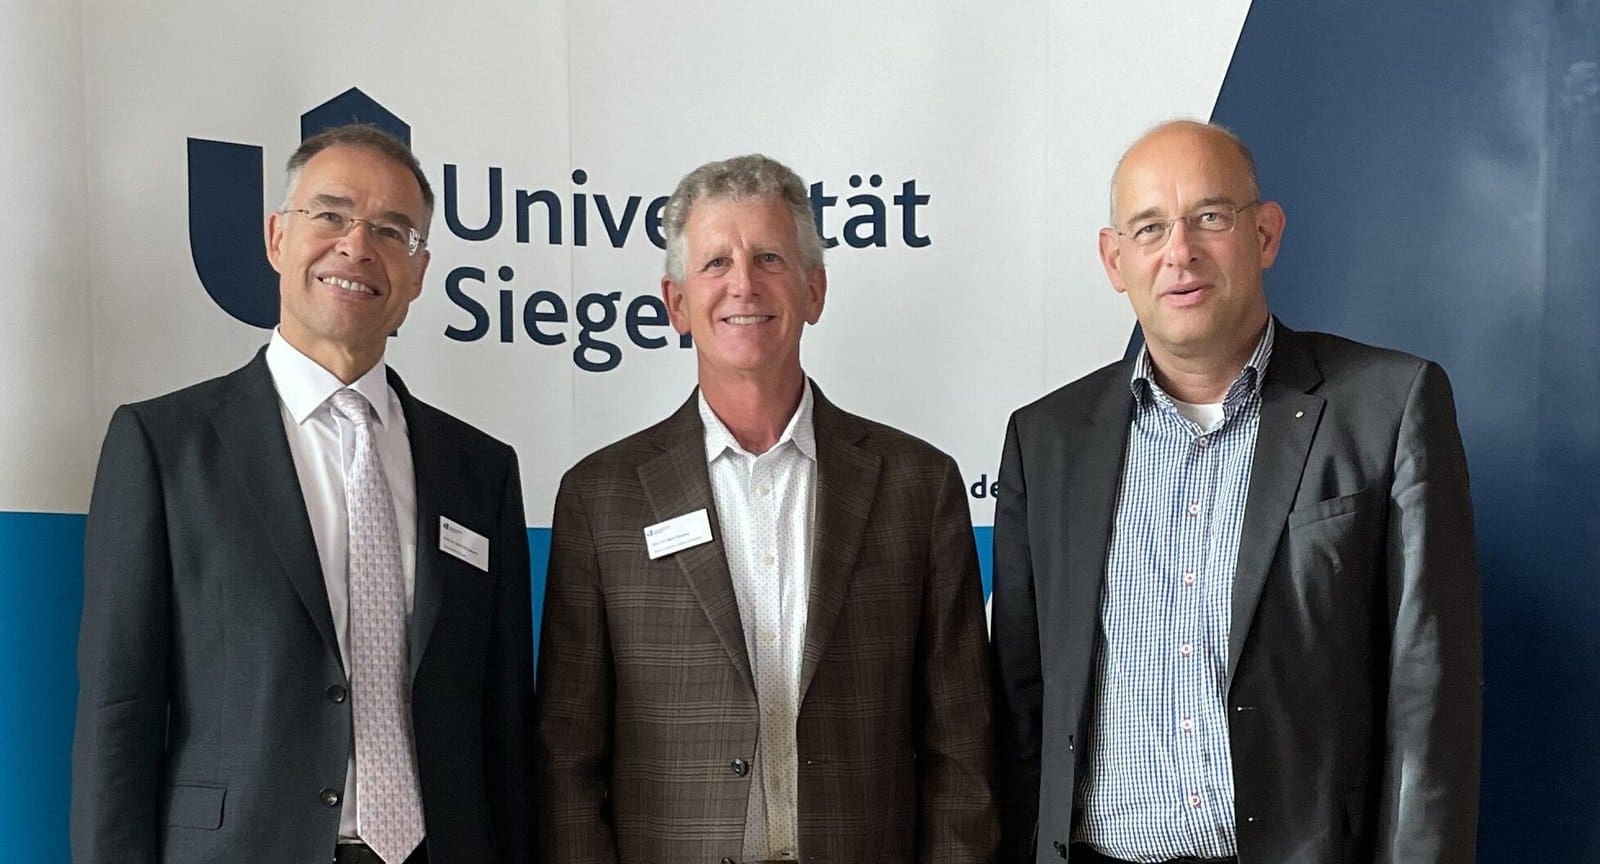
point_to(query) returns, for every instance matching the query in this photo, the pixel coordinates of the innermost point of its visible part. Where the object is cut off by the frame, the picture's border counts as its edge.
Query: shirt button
(1194, 509)
(1186, 724)
(768, 560)
(768, 636)
(1188, 577)
(763, 490)
(1186, 649)
(1194, 799)
(1203, 442)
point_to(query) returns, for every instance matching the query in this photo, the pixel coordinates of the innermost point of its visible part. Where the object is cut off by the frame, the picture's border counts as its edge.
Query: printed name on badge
(677, 533)
(464, 543)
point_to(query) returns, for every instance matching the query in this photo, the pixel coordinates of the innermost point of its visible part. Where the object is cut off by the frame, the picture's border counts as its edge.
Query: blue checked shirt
(1159, 783)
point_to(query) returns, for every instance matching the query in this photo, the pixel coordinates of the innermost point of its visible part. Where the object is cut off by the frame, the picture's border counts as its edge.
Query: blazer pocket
(195, 806)
(1326, 509)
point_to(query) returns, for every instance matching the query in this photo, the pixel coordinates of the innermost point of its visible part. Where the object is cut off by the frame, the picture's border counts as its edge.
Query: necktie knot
(353, 406)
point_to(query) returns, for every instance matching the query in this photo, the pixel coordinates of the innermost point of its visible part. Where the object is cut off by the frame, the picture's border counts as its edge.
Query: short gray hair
(739, 179)
(367, 137)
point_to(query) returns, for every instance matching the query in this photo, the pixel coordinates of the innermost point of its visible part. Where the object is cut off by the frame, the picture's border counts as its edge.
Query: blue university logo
(226, 189)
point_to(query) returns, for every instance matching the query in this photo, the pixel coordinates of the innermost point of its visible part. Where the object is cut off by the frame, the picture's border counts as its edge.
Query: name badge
(677, 533)
(464, 543)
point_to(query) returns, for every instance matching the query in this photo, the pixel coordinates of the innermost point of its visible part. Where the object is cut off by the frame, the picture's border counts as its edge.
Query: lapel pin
(1299, 414)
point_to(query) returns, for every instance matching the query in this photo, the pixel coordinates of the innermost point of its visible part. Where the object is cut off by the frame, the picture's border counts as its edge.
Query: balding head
(1211, 137)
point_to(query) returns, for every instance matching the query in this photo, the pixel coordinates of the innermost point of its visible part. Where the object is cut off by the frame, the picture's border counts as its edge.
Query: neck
(345, 363)
(756, 411)
(1201, 379)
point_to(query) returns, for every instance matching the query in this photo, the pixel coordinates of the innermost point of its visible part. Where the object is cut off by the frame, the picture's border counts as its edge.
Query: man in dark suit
(1236, 609)
(763, 627)
(306, 627)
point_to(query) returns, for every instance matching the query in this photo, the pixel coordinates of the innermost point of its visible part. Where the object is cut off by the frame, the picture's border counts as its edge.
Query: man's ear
(276, 224)
(672, 295)
(1111, 259)
(1270, 220)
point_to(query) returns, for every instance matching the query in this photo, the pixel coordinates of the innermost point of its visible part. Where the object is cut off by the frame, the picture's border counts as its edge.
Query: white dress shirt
(322, 444)
(766, 509)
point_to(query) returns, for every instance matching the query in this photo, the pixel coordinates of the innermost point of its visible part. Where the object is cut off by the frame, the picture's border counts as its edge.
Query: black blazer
(213, 723)
(1354, 657)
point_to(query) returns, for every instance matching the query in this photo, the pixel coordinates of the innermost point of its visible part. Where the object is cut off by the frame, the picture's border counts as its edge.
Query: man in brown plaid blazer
(792, 667)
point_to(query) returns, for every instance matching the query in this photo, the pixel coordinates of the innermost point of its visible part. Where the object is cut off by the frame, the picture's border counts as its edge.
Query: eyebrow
(336, 202)
(1208, 201)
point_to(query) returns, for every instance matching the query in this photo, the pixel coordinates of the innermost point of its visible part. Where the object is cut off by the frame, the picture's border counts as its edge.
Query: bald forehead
(1185, 146)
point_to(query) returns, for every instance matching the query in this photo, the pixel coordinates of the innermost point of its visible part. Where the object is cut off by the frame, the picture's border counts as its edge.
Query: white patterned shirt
(766, 509)
(1159, 781)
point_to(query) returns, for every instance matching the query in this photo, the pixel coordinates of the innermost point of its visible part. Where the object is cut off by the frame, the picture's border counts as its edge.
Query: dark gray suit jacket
(647, 714)
(1354, 662)
(213, 720)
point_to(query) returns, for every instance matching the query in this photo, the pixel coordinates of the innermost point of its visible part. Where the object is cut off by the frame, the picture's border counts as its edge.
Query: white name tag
(464, 543)
(678, 533)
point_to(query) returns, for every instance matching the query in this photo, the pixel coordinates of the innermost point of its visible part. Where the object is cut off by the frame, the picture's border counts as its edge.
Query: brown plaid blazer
(646, 711)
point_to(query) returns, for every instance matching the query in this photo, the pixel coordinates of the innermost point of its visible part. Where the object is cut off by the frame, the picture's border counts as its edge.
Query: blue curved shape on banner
(225, 231)
(1440, 171)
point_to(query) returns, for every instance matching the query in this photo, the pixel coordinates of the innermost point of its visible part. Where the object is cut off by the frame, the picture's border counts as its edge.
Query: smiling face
(341, 297)
(1199, 295)
(745, 295)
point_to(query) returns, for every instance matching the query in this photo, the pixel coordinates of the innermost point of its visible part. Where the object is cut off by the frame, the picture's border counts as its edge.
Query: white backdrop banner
(958, 162)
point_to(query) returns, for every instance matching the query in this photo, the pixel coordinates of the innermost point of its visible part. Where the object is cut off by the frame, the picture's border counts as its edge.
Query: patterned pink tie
(388, 797)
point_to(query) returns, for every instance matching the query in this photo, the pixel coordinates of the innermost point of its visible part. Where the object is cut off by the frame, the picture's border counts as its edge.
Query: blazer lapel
(1289, 418)
(250, 426)
(677, 482)
(1093, 457)
(435, 464)
(847, 482)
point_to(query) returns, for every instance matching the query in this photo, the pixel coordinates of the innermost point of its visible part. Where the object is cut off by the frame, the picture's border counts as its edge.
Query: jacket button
(336, 694)
(330, 797)
(740, 767)
(1061, 848)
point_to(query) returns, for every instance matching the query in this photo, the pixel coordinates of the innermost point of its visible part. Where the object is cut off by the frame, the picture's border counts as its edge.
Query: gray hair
(1246, 158)
(367, 137)
(739, 179)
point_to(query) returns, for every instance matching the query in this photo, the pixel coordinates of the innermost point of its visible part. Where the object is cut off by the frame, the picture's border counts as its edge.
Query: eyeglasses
(1154, 233)
(330, 224)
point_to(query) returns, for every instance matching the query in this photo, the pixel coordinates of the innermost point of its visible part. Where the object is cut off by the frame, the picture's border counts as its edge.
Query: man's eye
(1210, 217)
(330, 217)
(389, 232)
(716, 263)
(1149, 229)
(769, 258)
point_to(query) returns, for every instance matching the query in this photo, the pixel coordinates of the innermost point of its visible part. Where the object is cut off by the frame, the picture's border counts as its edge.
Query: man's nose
(740, 283)
(1180, 249)
(357, 243)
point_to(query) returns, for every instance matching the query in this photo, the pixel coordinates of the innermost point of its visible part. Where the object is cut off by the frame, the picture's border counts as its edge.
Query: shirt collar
(304, 386)
(800, 429)
(1248, 383)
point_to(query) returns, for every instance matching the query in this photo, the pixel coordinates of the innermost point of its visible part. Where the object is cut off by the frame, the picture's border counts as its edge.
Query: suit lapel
(1289, 418)
(435, 463)
(249, 424)
(1093, 460)
(677, 482)
(847, 482)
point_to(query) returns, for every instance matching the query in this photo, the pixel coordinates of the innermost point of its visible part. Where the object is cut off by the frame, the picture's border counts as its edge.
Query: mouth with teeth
(348, 285)
(743, 320)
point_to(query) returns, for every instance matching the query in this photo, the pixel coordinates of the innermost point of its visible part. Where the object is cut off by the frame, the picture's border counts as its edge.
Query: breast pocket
(1332, 541)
